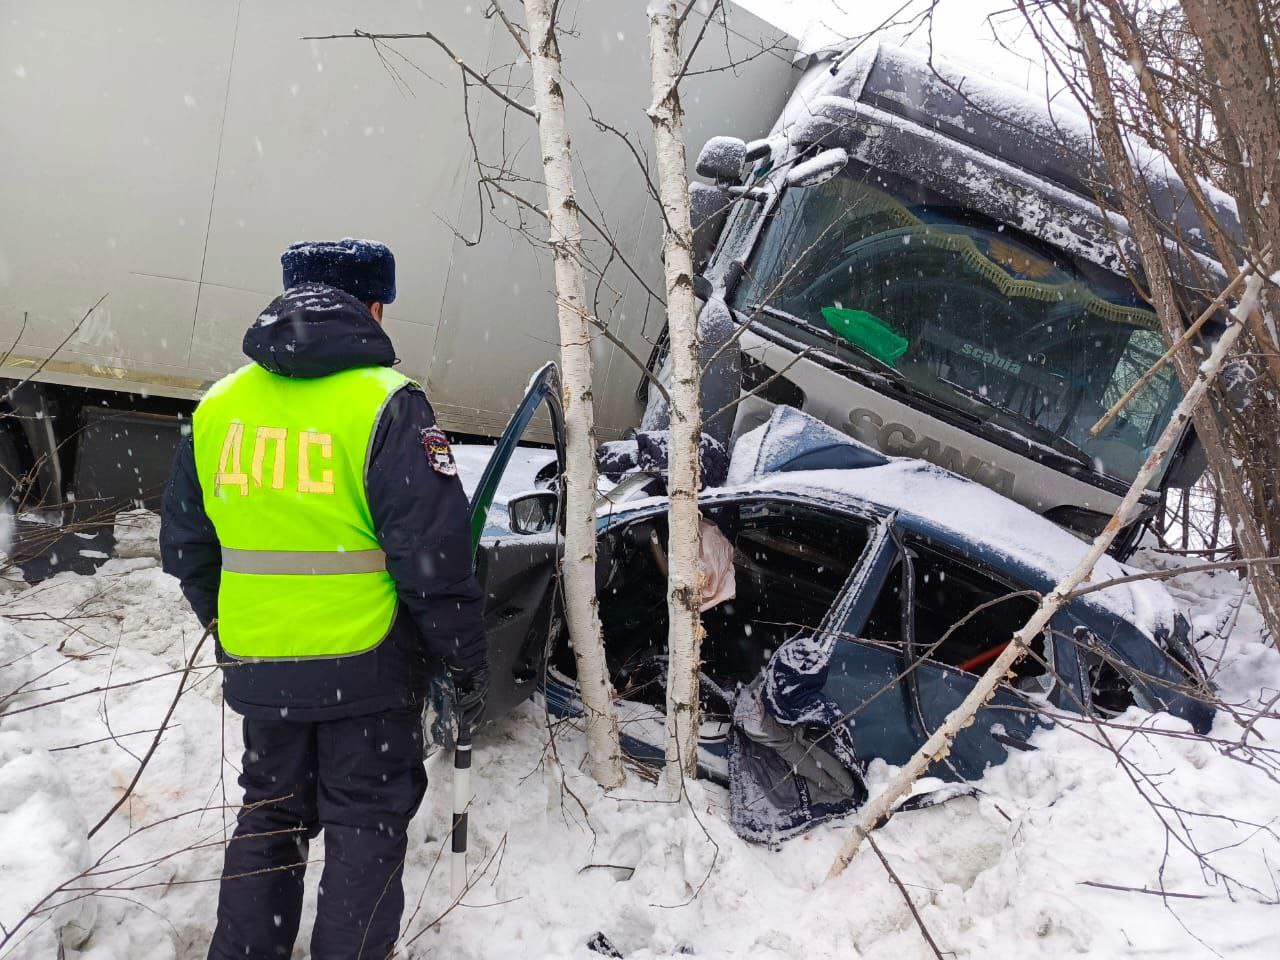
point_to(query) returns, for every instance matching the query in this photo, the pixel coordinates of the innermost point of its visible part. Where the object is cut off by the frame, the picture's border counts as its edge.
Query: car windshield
(971, 316)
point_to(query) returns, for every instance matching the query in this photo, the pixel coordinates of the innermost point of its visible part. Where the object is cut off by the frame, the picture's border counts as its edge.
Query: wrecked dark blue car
(867, 595)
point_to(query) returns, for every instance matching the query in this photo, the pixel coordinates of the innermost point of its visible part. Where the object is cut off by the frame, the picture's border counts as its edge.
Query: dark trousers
(359, 779)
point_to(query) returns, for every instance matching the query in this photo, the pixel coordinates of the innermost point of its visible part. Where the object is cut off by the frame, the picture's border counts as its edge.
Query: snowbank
(43, 838)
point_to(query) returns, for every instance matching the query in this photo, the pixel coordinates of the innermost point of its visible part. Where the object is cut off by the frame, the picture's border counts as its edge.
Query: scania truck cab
(920, 259)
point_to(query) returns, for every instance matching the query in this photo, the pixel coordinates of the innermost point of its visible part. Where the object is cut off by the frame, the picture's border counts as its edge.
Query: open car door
(517, 571)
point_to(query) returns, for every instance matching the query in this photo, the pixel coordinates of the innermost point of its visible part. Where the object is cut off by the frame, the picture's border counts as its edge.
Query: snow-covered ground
(1017, 872)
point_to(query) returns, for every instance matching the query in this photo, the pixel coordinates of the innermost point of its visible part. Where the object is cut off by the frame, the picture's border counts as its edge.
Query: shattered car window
(790, 563)
(960, 615)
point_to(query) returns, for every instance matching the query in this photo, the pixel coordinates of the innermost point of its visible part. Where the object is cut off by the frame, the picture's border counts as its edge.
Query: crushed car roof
(795, 453)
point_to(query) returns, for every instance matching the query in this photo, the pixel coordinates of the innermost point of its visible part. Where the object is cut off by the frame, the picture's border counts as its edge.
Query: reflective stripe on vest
(301, 563)
(282, 466)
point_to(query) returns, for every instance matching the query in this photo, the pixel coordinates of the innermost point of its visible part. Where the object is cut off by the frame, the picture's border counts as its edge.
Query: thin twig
(54, 352)
(496, 7)
(155, 742)
(1154, 893)
(630, 354)
(897, 882)
(1227, 292)
(462, 64)
(1171, 574)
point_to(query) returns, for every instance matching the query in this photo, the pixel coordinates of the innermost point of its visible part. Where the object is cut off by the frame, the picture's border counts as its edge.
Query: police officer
(316, 513)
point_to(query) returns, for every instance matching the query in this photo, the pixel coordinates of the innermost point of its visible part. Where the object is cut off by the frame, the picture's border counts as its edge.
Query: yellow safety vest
(282, 462)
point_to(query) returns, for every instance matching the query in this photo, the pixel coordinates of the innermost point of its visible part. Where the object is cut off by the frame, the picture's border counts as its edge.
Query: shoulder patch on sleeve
(436, 446)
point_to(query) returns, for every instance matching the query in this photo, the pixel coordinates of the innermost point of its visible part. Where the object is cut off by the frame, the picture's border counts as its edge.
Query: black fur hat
(365, 269)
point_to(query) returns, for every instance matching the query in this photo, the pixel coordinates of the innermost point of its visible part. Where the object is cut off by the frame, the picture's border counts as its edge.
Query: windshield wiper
(1056, 442)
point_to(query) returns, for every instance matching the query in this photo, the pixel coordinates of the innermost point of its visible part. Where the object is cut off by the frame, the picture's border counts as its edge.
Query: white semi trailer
(164, 152)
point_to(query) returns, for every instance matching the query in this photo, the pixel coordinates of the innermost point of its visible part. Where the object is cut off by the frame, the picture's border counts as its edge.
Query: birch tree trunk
(1240, 42)
(604, 755)
(684, 638)
(939, 744)
(1228, 466)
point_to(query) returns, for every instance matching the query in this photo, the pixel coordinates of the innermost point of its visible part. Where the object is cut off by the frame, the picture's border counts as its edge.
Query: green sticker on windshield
(867, 332)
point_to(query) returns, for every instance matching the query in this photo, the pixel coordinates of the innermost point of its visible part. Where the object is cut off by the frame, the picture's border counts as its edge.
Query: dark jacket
(420, 516)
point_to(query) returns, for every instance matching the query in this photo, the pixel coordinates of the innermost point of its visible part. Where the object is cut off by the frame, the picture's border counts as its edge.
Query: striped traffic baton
(461, 800)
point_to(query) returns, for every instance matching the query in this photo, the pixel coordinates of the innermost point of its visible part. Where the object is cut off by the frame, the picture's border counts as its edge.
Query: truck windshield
(975, 318)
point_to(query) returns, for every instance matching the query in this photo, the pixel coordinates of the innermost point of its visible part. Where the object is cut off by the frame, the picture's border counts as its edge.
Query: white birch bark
(1249, 520)
(684, 638)
(939, 744)
(604, 755)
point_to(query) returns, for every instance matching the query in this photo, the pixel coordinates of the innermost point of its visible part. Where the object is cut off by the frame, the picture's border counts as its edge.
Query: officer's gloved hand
(470, 687)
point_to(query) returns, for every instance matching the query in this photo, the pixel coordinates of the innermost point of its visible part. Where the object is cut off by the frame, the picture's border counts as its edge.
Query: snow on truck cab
(920, 260)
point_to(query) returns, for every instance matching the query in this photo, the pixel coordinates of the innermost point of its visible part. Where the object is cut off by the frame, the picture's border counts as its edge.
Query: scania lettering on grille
(268, 460)
(899, 440)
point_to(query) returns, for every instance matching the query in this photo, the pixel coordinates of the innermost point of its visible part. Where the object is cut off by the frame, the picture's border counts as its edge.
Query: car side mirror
(818, 169)
(721, 159)
(534, 513)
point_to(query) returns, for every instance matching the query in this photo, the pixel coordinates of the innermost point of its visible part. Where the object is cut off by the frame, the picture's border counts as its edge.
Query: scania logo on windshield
(899, 440)
(991, 359)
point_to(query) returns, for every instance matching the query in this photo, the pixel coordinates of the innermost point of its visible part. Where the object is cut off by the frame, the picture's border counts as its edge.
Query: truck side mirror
(819, 168)
(1189, 463)
(706, 204)
(758, 150)
(708, 210)
(721, 159)
(534, 513)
